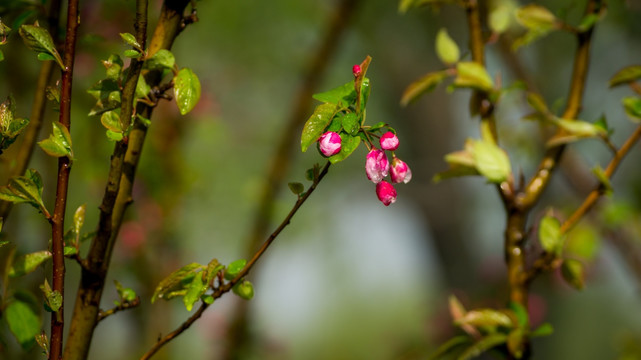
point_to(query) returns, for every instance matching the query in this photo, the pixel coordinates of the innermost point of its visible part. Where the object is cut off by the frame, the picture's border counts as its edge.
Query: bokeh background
(349, 278)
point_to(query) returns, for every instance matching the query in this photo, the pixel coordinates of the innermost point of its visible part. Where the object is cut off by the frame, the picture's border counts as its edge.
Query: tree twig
(64, 168)
(224, 288)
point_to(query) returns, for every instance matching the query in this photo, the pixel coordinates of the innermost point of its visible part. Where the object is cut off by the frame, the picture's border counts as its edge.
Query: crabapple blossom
(386, 193)
(329, 143)
(389, 141)
(376, 165)
(399, 171)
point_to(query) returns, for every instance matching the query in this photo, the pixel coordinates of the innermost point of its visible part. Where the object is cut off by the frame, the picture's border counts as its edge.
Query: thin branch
(548, 164)
(125, 305)
(64, 168)
(548, 261)
(221, 290)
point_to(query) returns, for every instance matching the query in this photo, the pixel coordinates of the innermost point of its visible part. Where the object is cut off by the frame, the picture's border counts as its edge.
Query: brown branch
(64, 168)
(537, 184)
(221, 290)
(125, 305)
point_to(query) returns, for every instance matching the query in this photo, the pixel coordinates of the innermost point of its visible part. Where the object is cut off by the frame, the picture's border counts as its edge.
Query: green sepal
(187, 90)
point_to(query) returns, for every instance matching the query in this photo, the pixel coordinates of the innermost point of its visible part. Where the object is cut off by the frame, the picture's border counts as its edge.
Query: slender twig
(224, 288)
(124, 305)
(64, 168)
(549, 261)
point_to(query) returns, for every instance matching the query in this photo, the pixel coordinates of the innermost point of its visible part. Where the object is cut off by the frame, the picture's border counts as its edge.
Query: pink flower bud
(376, 165)
(389, 141)
(356, 70)
(330, 143)
(386, 193)
(399, 171)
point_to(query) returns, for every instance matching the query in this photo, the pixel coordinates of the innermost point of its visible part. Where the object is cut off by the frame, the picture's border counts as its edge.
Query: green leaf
(114, 136)
(450, 346)
(207, 299)
(195, 290)
(143, 89)
(43, 342)
(500, 18)
(234, 268)
(491, 161)
(113, 65)
(4, 242)
(131, 40)
(446, 49)
(53, 299)
(59, 142)
(27, 188)
(550, 235)
(175, 280)
(351, 123)
(316, 124)
(1, 55)
(348, 145)
(626, 75)
(520, 313)
(405, 5)
(39, 40)
(23, 322)
(516, 342)
(45, 57)
(583, 242)
(296, 187)
(27, 263)
(133, 54)
(162, 59)
(588, 22)
(473, 75)
(545, 329)
(187, 90)
(632, 107)
(423, 85)
(70, 251)
(483, 345)
(344, 94)
(107, 95)
(573, 274)
(244, 289)
(111, 120)
(535, 17)
(575, 130)
(485, 318)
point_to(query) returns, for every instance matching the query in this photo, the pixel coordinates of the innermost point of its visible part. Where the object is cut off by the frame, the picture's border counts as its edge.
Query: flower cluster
(377, 167)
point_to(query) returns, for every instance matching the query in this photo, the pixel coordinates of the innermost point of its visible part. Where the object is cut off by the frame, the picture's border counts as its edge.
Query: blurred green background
(349, 278)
